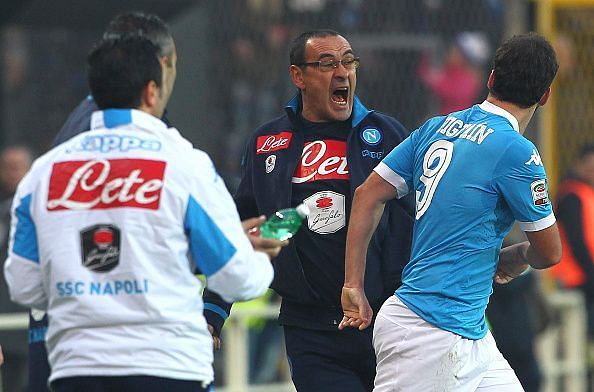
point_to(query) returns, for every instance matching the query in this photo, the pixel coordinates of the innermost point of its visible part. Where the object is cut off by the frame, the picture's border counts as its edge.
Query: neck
(522, 115)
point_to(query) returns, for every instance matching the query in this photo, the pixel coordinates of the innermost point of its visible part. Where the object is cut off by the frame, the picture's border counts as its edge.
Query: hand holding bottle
(284, 223)
(270, 246)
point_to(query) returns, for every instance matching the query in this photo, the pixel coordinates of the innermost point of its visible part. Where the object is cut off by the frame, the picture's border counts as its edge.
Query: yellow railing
(567, 122)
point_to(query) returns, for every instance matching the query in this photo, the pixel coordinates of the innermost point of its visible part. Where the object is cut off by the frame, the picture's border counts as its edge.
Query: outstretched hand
(269, 246)
(356, 309)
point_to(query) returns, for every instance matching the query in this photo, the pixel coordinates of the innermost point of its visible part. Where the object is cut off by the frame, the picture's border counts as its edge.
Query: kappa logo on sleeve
(534, 158)
(540, 194)
(270, 143)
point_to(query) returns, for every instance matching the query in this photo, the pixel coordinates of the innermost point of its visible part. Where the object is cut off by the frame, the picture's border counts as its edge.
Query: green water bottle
(284, 223)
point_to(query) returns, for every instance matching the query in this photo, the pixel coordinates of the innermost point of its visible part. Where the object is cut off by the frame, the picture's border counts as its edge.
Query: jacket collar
(359, 110)
(112, 118)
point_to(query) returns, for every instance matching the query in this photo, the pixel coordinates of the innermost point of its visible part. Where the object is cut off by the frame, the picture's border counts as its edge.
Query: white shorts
(413, 355)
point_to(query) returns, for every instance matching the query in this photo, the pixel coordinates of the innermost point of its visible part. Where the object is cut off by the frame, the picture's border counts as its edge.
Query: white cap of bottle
(302, 210)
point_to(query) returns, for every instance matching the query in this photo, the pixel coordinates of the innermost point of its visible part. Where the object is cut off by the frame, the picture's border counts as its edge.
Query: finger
(274, 252)
(216, 342)
(344, 323)
(270, 243)
(252, 223)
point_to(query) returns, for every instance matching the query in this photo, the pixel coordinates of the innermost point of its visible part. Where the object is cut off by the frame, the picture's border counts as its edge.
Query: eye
(328, 64)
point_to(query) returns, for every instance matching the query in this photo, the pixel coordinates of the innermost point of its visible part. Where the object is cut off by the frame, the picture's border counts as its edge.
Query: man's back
(473, 174)
(109, 218)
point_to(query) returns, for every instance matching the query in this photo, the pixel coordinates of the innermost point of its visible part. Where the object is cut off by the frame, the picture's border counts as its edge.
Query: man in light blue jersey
(473, 175)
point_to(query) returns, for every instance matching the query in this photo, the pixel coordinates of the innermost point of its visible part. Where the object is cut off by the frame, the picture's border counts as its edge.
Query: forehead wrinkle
(329, 49)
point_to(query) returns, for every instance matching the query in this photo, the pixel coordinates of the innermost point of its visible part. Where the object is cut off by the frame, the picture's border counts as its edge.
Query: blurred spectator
(15, 161)
(456, 83)
(575, 214)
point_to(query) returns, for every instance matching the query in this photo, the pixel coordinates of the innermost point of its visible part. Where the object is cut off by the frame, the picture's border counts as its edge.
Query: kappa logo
(534, 158)
(270, 143)
(540, 195)
(371, 136)
(270, 163)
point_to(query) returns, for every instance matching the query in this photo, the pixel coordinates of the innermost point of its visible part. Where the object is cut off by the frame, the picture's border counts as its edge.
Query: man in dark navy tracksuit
(325, 145)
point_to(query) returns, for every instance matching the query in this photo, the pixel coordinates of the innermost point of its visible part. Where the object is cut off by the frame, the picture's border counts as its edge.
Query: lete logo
(102, 184)
(272, 143)
(322, 160)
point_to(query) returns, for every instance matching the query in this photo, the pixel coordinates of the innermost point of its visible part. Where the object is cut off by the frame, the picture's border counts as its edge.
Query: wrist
(348, 284)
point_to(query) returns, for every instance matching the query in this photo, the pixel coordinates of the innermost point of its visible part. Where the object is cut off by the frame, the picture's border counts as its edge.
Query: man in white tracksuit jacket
(105, 228)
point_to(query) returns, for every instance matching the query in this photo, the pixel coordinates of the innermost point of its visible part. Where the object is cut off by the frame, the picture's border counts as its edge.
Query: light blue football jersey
(473, 175)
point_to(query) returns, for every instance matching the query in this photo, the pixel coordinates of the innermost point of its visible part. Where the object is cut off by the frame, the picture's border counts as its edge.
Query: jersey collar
(112, 118)
(492, 108)
(359, 110)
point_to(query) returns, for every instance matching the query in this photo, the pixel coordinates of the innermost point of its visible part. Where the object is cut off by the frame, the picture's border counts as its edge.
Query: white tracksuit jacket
(104, 228)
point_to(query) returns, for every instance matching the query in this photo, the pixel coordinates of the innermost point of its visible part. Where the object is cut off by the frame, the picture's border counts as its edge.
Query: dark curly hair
(523, 68)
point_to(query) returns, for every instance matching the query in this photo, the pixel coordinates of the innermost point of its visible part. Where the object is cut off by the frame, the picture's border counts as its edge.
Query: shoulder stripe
(25, 236)
(209, 246)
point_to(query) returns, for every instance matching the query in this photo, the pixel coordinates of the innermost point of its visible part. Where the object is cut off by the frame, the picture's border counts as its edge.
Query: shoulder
(520, 149)
(78, 121)
(379, 126)
(274, 126)
(388, 123)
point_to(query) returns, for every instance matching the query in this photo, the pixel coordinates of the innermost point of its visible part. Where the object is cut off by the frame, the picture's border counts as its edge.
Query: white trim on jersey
(492, 108)
(538, 225)
(393, 178)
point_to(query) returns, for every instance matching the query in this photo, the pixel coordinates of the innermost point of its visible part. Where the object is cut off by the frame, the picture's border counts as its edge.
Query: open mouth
(340, 95)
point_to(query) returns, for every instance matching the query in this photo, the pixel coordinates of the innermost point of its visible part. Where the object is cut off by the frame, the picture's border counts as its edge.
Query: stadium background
(233, 58)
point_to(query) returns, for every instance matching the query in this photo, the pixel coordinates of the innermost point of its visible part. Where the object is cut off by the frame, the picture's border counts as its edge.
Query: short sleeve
(397, 166)
(521, 178)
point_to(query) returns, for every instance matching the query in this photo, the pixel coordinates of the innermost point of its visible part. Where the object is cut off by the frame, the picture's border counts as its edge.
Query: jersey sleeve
(521, 178)
(397, 166)
(22, 269)
(218, 243)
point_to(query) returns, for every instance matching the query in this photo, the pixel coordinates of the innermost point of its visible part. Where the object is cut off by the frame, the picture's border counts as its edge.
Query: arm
(218, 242)
(542, 250)
(216, 310)
(368, 205)
(22, 269)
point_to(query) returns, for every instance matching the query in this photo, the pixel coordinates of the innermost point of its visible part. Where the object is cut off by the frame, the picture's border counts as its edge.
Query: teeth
(339, 102)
